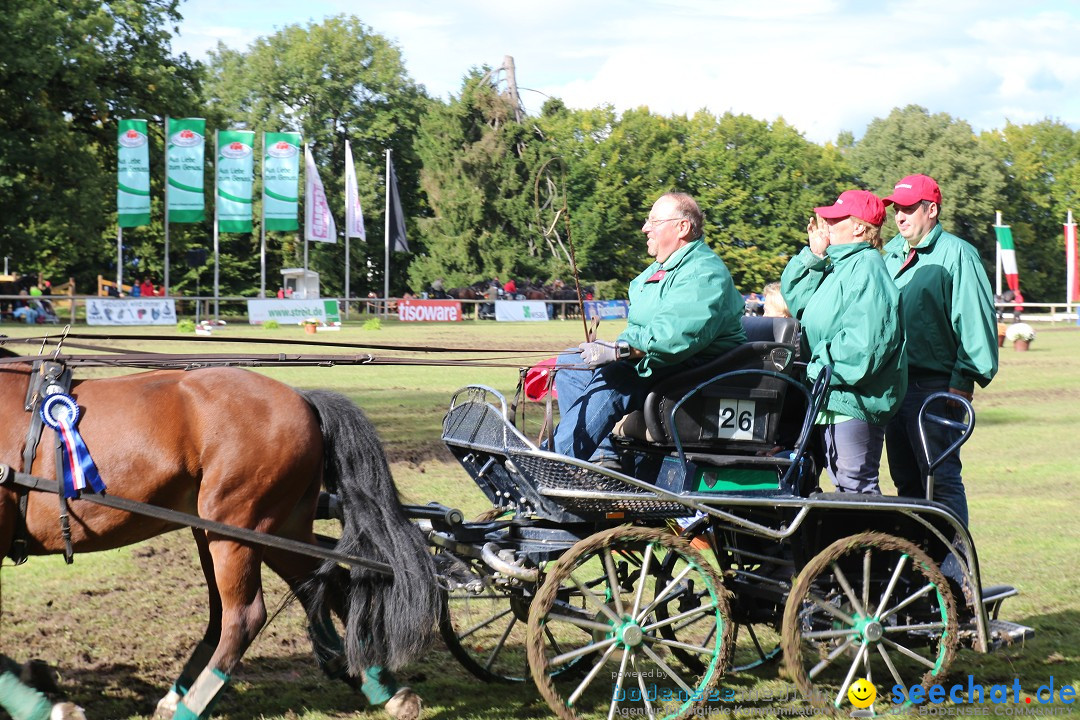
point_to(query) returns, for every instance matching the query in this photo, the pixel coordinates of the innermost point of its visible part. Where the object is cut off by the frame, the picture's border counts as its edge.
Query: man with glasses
(684, 311)
(948, 314)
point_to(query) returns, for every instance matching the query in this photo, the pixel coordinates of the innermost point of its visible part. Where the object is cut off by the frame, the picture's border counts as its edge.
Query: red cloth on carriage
(536, 381)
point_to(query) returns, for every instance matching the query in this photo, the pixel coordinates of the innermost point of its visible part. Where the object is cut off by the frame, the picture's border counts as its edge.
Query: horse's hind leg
(243, 614)
(200, 656)
(377, 684)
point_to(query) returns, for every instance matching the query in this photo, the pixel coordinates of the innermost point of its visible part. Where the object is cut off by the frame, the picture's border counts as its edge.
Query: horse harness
(47, 377)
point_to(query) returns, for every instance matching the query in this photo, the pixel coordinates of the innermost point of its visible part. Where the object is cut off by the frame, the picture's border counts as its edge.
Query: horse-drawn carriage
(627, 591)
(633, 592)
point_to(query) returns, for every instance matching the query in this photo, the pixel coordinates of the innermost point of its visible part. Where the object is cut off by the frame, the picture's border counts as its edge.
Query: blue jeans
(591, 402)
(853, 455)
(907, 463)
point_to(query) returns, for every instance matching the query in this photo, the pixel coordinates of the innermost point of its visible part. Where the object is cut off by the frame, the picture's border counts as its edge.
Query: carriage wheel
(752, 644)
(628, 664)
(869, 606)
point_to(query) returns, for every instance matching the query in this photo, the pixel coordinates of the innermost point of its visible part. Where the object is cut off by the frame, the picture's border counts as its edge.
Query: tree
(69, 70)
(332, 81)
(911, 141)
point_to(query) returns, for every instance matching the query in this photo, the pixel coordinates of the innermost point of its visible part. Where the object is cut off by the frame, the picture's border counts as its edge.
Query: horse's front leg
(243, 614)
(200, 657)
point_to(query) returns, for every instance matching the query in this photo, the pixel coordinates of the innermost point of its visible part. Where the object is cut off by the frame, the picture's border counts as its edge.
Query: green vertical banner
(186, 145)
(235, 178)
(132, 174)
(281, 178)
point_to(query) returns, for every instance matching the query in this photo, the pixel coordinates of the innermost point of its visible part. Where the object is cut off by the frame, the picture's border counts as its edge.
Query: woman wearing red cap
(848, 305)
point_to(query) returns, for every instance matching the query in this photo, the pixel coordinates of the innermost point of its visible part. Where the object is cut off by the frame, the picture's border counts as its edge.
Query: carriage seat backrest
(771, 345)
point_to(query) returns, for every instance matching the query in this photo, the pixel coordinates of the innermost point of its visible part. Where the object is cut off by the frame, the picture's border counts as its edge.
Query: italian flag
(1006, 253)
(1072, 278)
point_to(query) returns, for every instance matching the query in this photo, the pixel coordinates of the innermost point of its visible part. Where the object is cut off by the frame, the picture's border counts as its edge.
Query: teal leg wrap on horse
(199, 700)
(200, 658)
(22, 702)
(379, 685)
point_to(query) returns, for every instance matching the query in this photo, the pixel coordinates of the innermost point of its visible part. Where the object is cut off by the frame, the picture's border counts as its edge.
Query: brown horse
(237, 447)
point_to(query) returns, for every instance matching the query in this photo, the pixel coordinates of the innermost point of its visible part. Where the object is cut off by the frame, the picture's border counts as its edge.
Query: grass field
(119, 624)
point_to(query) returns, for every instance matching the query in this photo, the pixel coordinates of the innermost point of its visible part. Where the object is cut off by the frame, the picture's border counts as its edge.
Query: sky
(824, 66)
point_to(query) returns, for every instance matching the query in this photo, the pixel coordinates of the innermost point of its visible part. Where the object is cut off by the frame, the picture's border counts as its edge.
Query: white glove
(595, 354)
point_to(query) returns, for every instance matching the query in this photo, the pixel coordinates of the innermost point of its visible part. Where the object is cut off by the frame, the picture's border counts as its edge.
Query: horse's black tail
(389, 620)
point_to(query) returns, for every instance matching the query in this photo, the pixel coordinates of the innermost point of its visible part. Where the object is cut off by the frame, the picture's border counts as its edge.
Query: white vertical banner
(318, 222)
(354, 214)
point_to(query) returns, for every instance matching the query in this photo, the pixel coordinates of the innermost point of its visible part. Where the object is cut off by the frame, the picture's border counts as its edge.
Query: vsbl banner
(518, 310)
(607, 309)
(318, 222)
(429, 310)
(281, 180)
(130, 311)
(235, 178)
(184, 159)
(132, 174)
(291, 312)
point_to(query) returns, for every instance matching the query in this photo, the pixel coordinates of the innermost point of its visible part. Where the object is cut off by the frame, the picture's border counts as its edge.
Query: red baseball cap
(858, 203)
(914, 188)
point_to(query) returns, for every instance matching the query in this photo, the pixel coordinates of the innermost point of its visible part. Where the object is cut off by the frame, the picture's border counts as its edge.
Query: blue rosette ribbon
(60, 412)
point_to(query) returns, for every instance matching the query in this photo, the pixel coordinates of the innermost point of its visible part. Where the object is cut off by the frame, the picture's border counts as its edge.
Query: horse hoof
(166, 706)
(405, 705)
(67, 711)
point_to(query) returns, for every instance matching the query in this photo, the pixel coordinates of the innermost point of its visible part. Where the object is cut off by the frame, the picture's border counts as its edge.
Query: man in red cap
(948, 314)
(841, 292)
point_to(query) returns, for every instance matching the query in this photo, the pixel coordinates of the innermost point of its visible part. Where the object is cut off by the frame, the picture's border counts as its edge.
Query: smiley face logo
(862, 693)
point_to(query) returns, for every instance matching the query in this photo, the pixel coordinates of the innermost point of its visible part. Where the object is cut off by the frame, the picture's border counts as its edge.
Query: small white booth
(303, 283)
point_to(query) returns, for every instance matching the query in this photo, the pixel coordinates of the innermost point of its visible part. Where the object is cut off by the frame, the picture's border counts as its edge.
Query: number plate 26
(736, 421)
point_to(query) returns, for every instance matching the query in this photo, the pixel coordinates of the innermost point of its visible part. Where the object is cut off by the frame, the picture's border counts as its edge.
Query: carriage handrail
(814, 399)
(33, 482)
(964, 428)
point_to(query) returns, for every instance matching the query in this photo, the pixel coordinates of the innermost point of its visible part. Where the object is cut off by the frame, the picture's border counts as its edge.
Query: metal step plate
(1003, 632)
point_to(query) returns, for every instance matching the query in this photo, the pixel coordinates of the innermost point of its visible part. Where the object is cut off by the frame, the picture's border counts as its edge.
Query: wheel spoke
(829, 658)
(589, 594)
(887, 595)
(681, 645)
(667, 669)
(662, 596)
(551, 639)
(695, 612)
(618, 685)
(499, 645)
(587, 680)
(613, 581)
(908, 600)
(850, 676)
(910, 653)
(582, 622)
(583, 650)
(915, 628)
(866, 580)
(842, 579)
(834, 611)
(889, 664)
(484, 624)
(829, 634)
(645, 562)
(644, 692)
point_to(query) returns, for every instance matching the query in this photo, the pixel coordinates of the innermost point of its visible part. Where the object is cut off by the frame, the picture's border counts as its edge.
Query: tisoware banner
(184, 159)
(281, 180)
(318, 222)
(132, 174)
(235, 178)
(354, 214)
(429, 310)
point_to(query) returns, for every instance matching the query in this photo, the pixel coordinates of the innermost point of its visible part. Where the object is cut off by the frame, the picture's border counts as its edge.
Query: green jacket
(948, 309)
(850, 314)
(683, 307)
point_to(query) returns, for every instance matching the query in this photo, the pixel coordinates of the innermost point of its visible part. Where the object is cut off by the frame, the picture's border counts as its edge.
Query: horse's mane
(7, 352)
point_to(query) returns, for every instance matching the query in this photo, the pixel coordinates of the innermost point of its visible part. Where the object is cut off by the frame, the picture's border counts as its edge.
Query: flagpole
(119, 256)
(165, 278)
(386, 236)
(997, 257)
(348, 227)
(307, 201)
(217, 202)
(262, 228)
(1071, 252)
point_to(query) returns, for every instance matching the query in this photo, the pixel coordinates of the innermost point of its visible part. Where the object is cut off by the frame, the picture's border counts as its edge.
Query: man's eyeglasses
(650, 223)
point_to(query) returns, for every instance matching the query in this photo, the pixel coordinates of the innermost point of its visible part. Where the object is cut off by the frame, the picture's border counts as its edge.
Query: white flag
(354, 214)
(318, 222)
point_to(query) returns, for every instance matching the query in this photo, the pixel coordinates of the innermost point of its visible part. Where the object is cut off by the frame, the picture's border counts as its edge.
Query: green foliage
(373, 324)
(270, 325)
(187, 325)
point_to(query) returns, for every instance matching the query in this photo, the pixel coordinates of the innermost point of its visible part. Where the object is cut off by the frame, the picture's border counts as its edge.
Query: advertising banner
(281, 180)
(130, 311)
(520, 310)
(429, 310)
(354, 214)
(318, 222)
(185, 157)
(132, 174)
(607, 309)
(291, 312)
(235, 178)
